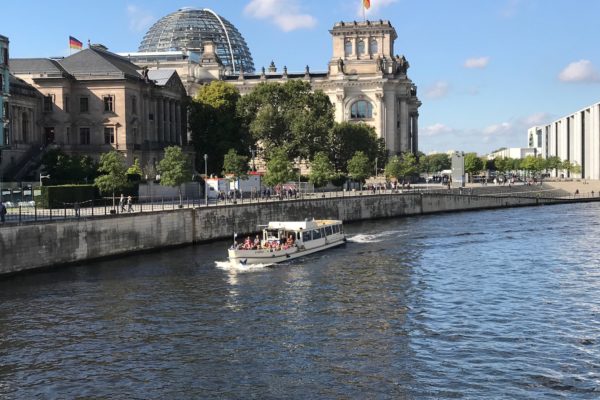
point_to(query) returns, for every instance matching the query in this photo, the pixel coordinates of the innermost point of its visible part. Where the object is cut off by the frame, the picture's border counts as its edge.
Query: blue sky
(486, 69)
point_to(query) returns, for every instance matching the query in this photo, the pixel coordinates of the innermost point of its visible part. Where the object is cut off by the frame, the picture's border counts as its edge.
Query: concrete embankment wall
(31, 246)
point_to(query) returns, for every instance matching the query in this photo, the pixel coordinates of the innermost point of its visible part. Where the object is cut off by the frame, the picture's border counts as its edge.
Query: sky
(486, 70)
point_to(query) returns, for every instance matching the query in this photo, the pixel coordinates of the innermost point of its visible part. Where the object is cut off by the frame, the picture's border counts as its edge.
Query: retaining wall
(31, 246)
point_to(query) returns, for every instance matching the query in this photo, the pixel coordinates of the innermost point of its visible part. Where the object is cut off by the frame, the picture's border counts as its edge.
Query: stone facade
(95, 101)
(364, 80)
(4, 88)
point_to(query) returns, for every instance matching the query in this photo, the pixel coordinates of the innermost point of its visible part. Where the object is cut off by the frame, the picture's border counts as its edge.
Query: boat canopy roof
(302, 225)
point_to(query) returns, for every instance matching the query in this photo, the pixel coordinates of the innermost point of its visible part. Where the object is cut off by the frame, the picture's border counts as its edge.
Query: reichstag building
(365, 80)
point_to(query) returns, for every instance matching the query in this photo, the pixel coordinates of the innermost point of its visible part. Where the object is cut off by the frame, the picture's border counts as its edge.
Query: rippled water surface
(494, 304)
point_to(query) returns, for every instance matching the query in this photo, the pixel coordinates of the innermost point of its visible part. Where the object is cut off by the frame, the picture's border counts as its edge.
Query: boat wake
(237, 267)
(375, 238)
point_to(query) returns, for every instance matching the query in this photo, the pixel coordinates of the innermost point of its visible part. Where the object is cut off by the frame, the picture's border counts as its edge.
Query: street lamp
(205, 180)
(43, 176)
(375, 167)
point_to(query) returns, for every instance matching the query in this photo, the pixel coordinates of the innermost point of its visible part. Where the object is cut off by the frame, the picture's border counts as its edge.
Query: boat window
(316, 234)
(323, 234)
(328, 230)
(305, 236)
(336, 229)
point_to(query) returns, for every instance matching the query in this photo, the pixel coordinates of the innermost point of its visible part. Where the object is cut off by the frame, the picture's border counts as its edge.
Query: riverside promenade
(30, 244)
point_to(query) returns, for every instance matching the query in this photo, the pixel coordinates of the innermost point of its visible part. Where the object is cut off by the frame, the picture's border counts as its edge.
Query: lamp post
(43, 176)
(205, 180)
(375, 167)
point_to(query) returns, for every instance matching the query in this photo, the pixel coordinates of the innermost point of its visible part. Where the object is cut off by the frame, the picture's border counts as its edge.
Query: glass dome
(187, 28)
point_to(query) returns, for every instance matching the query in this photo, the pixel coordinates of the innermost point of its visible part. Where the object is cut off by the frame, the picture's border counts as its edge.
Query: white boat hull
(266, 256)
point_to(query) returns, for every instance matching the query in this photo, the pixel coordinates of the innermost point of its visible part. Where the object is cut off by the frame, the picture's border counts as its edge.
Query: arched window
(348, 48)
(361, 109)
(360, 47)
(374, 46)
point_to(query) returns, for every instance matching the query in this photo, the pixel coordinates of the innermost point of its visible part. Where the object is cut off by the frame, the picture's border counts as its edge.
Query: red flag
(367, 4)
(74, 43)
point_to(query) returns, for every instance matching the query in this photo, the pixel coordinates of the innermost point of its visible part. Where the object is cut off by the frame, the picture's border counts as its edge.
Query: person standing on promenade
(129, 204)
(122, 203)
(2, 212)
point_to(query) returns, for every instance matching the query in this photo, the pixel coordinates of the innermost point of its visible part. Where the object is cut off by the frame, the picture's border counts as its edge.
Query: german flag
(367, 4)
(74, 43)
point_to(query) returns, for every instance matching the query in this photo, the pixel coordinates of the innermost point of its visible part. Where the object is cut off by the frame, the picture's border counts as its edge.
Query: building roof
(20, 87)
(95, 61)
(161, 76)
(45, 66)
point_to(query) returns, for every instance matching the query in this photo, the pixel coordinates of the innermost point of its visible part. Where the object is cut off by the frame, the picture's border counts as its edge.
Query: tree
(215, 126)
(347, 138)
(402, 166)
(135, 168)
(473, 164)
(321, 170)
(65, 169)
(113, 173)
(289, 116)
(279, 168)
(235, 164)
(175, 169)
(359, 166)
(434, 163)
(393, 168)
(552, 162)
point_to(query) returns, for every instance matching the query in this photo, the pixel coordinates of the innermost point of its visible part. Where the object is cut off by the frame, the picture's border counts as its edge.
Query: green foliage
(287, 116)
(553, 163)
(321, 170)
(135, 168)
(473, 164)
(359, 166)
(215, 127)
(175, 168)
(235, 164)
(113, 173)
(63, 168)
(65, 196)
(347, 138)
(279, 168)
(435, 163)
(402, 166)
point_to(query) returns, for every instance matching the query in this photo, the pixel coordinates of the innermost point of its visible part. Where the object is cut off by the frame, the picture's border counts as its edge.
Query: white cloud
(286, 14)
(580, 71)
(498, 129)
(139, 19)
(376, 6)
(436, 130)
(438, 90)
(480, 62)
(536, 119)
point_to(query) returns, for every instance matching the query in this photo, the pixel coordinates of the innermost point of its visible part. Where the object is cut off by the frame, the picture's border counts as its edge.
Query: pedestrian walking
(122, 202)
(129, 204)
(76, 207)
(2, 211)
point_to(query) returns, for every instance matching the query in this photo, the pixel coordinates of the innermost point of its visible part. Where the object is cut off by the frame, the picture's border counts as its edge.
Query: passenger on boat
(256, 242)
(290, 240)
(248, 243)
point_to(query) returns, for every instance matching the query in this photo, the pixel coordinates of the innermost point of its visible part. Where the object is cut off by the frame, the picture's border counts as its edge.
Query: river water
(492, 304)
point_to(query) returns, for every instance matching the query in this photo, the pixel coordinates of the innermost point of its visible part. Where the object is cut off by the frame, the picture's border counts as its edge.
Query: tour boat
(282, 241)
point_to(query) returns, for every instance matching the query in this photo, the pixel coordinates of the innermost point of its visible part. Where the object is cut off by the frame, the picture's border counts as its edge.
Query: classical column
(159, 120)
(415, 132)
(178, 122)
(404, 144)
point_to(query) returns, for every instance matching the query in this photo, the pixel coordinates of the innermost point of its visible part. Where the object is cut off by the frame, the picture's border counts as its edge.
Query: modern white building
(574, 138)
(515, 152)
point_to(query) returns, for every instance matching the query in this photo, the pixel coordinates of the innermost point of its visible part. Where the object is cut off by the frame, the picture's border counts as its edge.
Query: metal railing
(29, 212)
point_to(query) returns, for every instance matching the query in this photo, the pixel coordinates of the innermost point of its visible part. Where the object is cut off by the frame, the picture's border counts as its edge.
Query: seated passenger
(247, 243)
(257, 242)
(290, 241)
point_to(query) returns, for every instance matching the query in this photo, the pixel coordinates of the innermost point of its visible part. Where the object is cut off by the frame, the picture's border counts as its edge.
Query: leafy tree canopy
(135, 168)
(65, 169)
(473, 164)
(321, 170)
(359, 166)
(289, 116)
(279, 168)
(235, 164)
(215, 127)
(347, 138)
(113, 173)
(175, 168)
(435, 163)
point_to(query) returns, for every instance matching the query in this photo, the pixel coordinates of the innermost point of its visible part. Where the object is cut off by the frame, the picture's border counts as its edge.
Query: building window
(108, 103)
(109, 135)
(84, 104)
(361, 109)
(66, 103)
(360, 47)
(134, 104)
(374, 46)
(151, 117)
(5, 56)
(348, 48)
(48, 103)
(84, 135)
(24, 127)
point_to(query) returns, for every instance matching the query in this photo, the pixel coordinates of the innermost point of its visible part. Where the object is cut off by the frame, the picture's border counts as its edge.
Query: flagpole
(364, 12)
